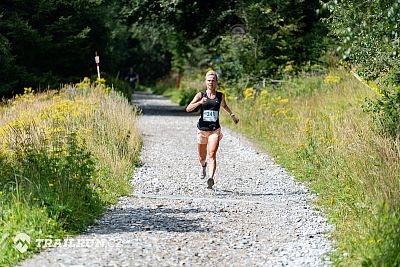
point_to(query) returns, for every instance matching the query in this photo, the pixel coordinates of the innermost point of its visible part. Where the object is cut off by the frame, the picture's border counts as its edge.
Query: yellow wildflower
(101, 80)
(264, 93)
(331, 79)
(248, 93)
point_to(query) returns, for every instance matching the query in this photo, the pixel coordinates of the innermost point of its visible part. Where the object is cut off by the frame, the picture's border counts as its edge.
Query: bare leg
(212, 154)
(202, 151)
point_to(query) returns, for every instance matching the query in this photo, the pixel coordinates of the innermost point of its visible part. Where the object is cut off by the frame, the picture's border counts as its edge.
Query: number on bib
(210, 115)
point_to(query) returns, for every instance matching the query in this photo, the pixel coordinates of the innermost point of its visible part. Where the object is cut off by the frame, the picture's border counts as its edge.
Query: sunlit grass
(322, 135)
(64, 156)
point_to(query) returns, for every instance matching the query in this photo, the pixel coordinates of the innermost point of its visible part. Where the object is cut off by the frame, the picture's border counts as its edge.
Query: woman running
(208, 128)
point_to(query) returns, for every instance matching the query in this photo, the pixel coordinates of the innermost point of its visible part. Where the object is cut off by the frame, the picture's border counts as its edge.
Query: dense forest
(46, 43)
(292, 59)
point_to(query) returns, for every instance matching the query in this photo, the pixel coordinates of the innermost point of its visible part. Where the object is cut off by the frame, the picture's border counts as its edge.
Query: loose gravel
(256, 214)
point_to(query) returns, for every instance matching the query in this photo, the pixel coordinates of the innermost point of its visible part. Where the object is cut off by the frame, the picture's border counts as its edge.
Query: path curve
(256, 215)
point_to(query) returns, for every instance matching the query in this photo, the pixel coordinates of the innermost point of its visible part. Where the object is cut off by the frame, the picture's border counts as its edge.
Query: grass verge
(315, 127)
(65, 155)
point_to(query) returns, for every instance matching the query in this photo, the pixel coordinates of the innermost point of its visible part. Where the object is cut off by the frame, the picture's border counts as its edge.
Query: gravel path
(256, 215)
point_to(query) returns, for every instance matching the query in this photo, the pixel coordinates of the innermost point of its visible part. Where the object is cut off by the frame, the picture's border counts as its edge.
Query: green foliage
(386, 111)
(47, 193)
(144, 47)
(187, 94)
(237, 57)
(25, 217)
(160, 36)
(65, 155)
(281, 38)
(370, 40)
(61, 177)
(54, 42)
(368, 34)
(385, 232)
(50, 41)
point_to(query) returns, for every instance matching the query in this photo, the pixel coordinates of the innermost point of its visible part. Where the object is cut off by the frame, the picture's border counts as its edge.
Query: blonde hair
(212, 73)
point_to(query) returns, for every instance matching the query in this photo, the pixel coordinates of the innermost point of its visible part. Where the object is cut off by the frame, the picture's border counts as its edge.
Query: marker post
(97, 59)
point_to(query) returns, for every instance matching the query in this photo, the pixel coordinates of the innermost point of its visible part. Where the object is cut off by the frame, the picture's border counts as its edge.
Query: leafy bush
(369, 39)
(186, 95)
(386, 232)
(368, 34)
(386, 112)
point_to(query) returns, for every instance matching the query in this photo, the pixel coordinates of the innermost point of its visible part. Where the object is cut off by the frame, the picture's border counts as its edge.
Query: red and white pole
(97, 59)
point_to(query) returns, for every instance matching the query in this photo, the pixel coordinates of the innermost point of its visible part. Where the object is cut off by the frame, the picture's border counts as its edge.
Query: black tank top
(209, 120)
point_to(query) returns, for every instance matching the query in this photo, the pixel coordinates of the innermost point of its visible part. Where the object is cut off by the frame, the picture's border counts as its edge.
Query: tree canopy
(48, 42)
(45, 43)
(369, 35)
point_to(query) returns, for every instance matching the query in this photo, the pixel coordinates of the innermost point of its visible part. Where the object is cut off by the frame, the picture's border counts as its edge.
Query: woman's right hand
(203, 100)
(196, 102)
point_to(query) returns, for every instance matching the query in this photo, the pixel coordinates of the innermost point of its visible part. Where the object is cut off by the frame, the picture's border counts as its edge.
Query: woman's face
(211, 82)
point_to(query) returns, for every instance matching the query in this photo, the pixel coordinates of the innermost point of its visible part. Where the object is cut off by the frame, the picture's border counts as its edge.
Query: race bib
(210, 115)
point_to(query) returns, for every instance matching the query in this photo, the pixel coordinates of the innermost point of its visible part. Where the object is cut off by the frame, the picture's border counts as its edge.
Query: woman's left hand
(235, 120)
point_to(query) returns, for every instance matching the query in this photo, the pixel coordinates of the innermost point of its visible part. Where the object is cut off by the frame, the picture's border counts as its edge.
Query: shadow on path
(225, 192)
(150, 104)
(147, 219)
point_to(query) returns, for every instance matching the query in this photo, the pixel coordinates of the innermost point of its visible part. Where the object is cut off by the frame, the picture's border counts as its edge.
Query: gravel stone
(256, 214)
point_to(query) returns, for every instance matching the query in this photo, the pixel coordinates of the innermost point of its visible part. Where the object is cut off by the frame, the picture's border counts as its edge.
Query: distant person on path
(208, 128)
(133, 78)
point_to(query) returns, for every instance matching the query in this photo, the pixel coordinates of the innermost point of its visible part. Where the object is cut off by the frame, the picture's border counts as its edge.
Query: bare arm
(197, 101)
(227, 109)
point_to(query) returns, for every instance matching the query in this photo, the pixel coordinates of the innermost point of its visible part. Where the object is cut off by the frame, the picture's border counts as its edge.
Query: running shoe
(203, 171)
(210, 183)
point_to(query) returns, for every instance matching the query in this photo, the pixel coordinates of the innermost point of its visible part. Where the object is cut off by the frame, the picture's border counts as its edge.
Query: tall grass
(316, 128)
(64, 156)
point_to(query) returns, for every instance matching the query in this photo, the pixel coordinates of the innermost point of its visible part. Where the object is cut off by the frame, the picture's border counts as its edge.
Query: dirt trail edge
(256, 215)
